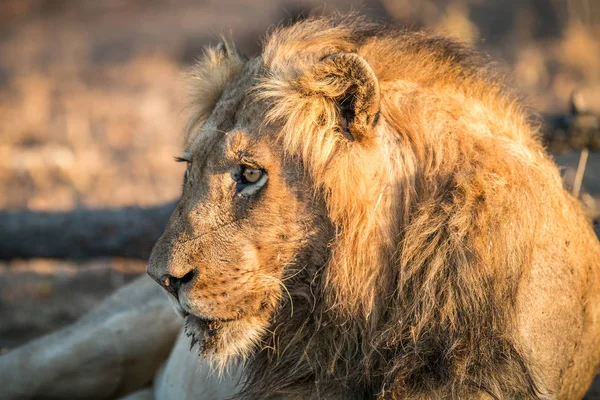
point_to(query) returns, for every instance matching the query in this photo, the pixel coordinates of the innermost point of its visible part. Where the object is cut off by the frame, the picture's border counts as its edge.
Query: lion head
(348, 221)
(253, 224)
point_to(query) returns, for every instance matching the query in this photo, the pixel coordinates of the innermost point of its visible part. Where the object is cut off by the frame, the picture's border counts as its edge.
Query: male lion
(367, 213)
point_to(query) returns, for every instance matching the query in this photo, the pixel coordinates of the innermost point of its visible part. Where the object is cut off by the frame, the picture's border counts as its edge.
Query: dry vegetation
(92, 105)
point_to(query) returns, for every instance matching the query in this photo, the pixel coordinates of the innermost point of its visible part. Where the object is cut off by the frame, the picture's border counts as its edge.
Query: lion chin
(224, 341)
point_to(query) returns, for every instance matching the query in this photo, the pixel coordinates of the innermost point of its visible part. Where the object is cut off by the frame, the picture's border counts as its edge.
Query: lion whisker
(298, 272)
(277, 280)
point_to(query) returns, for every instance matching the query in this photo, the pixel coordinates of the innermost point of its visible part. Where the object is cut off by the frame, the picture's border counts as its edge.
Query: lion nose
(172, 284)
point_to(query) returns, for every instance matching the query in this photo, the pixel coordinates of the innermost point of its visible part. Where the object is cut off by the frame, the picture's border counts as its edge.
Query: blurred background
(92, 106)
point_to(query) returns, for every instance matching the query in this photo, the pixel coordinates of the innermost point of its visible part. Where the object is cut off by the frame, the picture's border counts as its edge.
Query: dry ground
(92, 103)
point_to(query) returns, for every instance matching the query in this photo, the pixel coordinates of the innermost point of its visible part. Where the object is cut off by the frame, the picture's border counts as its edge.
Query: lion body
(427, 250)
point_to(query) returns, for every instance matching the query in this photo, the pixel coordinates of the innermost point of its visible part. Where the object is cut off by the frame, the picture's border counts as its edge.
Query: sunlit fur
(457, 266)
(209, 76)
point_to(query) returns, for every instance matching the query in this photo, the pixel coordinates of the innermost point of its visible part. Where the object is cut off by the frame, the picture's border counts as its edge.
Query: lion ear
(351, 83)
(219, 65)
(226, 49)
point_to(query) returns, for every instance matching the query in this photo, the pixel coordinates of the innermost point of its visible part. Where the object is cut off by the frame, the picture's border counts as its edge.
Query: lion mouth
(205, 320)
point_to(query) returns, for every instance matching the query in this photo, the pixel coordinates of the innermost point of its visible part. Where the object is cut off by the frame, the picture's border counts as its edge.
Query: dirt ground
(92, 105)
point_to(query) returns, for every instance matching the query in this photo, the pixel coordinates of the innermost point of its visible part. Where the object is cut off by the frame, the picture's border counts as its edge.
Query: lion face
(250, 217)
(236, 227)
(243, 220)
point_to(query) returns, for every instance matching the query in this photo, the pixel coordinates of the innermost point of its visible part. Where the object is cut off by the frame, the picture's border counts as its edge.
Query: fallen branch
(83, 233)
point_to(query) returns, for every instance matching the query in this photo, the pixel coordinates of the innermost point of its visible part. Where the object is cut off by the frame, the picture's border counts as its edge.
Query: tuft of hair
(236, 344)
(208, 77)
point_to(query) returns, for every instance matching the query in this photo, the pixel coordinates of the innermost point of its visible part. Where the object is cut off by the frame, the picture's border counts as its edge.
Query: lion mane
(442, 200)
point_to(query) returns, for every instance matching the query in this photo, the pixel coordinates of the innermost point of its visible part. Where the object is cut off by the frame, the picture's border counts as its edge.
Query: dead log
(83, 233)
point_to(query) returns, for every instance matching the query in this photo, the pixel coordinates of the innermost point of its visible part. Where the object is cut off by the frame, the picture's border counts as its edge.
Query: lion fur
(441, 210)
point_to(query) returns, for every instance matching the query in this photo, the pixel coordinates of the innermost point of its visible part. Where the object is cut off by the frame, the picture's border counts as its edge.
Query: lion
(368, 212)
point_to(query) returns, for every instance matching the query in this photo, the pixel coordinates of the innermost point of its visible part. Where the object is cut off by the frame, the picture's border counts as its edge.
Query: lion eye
(249, 179)
(251, 175)
(189, 165)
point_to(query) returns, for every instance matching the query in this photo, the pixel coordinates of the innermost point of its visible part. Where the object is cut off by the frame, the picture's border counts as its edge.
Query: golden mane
(424, 208)
(443, 202)
(441, 81)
